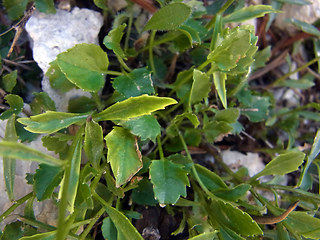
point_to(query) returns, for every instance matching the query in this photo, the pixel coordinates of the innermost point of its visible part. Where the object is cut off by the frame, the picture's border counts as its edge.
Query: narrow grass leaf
(134, 107)
(170, 17)
(50, 122)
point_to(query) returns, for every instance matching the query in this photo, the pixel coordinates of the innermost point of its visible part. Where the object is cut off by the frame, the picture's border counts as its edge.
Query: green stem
(225, 6)
(110, 72)
(126, 42)
(160, 147)
(151, 59)
(217, 29)
(15, 205)
(284, 77)
(123, 64)
(90, 225)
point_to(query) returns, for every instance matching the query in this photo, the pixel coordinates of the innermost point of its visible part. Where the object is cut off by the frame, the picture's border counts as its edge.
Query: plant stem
(110, 72)
(160, 147)
(123, 64)
(126, 41)
(151, 60)
(90, 225)
(15, 205)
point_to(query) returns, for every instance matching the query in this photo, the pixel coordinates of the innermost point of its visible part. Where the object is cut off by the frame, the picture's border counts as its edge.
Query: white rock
(52, 34)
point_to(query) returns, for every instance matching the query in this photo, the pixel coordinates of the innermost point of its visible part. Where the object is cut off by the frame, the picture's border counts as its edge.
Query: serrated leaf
(85, 66)
(305, 27)
(54, 143)
(16, 105)
(135, 83)
(123, 155)
(123, 225)
(9, 80)
(45, 6)
(146, 127)
(93, 142)
(303, 224)
(219, 79)
(46, 179)
(15, 8)
(282, 164)
(169, 181)
(42, 102)
(201, 86)
(22, 152)
(9, 164)
(170, 17)
(253, 11)
(134, 107)
(227, 234)
(58, 79)
(233, 218)
(50, 122)
(112, 40)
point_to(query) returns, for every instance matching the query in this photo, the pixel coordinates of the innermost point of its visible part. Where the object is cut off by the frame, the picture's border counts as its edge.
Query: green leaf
(70, 181)
(201, 86)
(112, 41)
(123, 154)
(41, 236)
(9, 164)
(170, 17)
(233, 194)
(192, 118)
(305, 27)
(16, 106)
(229, 115)
(228, 234)
(282, 164)
(46, 179)
(10, 80)
(297, 2)
(93, 142)
(42, 102)
(253, 11)
(134, 107)
(50, 122)
(219, 79)
(169, 181)
(109, 230)
(103, 4)
(146, 127)
(303, 224)
(143, 194)
(58, 79)
(45, 6)
(135, 83)
(123, 224)
(85, 66)
(216, 130)
(261, 57)
(13, 231)
(211, 180)
(301, 83)
(54, 143)
(205, 236)
(233, 218)
(81, 105)
(22, 152)
(15, 8)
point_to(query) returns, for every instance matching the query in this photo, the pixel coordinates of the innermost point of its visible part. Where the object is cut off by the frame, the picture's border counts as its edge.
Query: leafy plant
(137, 140)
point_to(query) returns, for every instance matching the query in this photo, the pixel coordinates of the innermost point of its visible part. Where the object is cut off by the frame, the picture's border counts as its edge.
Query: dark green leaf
(103, 4)
(233, 194)
(81, 105)
(22, 152)
(229, 115)
(123, 224)
(112, 40)
(9, 164)
(169, 181)
(282, 164)
(41, 103)
(219, 79)
(123, 154)
(297, 2)
(146, 127)
(54, 143)
(216, 130)
(261, 57)
(169, 17)
(253, 11)
(85, 66)
(46, 179)
(305, 27)
(12, 231)
(109, 231)
(93, 142)
(133, 107)
(201, 86)
(58, 79)
(10, 80)
(50, 122)
(134, 84)
(233, 218)
(16, 106)
(228, 234)
(143, 194)
(211, 180)
(15, 8)
(24, 135)
(193, 137)
(45, 6)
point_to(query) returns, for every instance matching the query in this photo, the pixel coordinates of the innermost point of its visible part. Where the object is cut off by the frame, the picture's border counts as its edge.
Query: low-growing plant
(138, 139)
